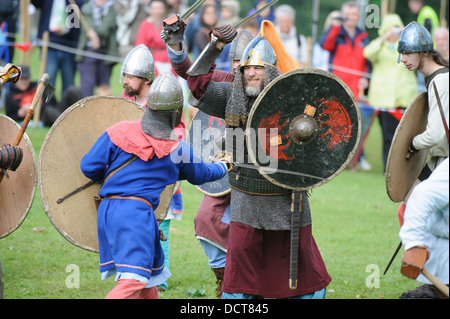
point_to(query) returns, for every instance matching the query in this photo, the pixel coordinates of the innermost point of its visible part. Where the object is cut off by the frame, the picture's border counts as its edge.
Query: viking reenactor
(416, 51)
(425, 236)
(129, 242)
(138, 71)
(260, 222)
(212, 219)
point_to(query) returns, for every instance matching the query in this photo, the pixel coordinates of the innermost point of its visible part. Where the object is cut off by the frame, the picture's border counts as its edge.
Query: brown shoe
(219, 280)
(423, 292)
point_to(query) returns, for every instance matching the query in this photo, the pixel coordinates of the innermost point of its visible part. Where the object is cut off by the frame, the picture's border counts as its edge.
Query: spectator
(294, 43)
(208, 20)
(440, 37)
(9, 13)
(177, 6)
(58, 60)
(21, 95)
(391, 86)
(130, 14)
(101, 38)
(346, 43)
(18, 99)
(426, 15)
(321, 58)
(149, 34)
(229, 12)
(267, 14)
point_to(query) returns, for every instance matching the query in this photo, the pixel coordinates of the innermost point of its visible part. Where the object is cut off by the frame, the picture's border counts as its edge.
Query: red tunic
(258, 263)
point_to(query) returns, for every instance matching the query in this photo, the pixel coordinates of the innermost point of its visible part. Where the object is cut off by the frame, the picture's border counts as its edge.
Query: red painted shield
(307, 126)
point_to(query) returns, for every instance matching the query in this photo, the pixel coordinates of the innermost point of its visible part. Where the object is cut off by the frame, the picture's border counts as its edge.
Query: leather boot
(425, 291)
(219, 280)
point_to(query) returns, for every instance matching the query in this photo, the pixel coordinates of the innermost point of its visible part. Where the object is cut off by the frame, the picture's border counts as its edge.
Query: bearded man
(257, 262)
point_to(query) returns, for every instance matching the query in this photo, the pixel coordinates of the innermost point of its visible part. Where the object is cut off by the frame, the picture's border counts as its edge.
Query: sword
(184, 16)
(250, 17)
(392, 258)
(270, 170)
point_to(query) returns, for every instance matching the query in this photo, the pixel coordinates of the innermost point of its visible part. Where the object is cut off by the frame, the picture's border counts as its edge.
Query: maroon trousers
(258, 263)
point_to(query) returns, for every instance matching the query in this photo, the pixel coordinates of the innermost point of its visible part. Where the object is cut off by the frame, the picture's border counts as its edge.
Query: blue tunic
(127, 229)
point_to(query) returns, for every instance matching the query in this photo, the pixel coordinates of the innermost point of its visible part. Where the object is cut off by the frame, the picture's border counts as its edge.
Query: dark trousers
(388, 126)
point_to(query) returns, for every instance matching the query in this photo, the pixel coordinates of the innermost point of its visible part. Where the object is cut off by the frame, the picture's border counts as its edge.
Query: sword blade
(392, 258)
(191, 10)
(250, 17)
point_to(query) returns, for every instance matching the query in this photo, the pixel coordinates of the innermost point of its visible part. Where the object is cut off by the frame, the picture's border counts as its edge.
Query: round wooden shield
(203, 132)
(68, 140)
(303, 129)
(402, 173)
(17, 189)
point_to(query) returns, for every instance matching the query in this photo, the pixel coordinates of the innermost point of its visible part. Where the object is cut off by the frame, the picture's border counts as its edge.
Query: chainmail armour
(159, 124)
(229, 101)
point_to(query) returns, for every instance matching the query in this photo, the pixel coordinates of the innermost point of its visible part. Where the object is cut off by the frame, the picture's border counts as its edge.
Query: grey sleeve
(215, 99)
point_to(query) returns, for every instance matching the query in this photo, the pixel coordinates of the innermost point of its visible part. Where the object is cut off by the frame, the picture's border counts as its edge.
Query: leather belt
(252, 182)
(129, 197)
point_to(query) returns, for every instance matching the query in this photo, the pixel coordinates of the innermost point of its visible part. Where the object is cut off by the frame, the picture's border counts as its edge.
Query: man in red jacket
(346, 43)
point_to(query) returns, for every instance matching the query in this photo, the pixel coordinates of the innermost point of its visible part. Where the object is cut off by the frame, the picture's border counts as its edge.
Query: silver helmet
(239, 44)
(139, 62)
(259, 52)
(164, 107)
(414, 38)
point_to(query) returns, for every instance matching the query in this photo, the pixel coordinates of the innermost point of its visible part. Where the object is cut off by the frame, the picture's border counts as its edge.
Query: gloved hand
(10, 73)
(225, 34)
(174, 28)
(411, 149)
(226, 158)
(10, 157)
(413, 261)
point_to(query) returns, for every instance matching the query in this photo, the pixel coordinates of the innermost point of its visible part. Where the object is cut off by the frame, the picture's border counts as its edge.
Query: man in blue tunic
(128, 233)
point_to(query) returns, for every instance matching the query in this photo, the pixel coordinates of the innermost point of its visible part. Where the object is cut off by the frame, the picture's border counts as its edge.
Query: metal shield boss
(304, 129)
(17, 189)
(206, 136)
(401, 173)
(59, 174)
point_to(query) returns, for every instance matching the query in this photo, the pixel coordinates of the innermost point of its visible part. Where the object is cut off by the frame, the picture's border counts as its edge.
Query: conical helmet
(239, 44)
(139, 62)
(165, 93)
(164, 107)
(259, 52)
(414, 38)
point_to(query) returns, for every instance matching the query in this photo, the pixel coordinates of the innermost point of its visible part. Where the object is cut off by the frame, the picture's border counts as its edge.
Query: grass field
(354, 223)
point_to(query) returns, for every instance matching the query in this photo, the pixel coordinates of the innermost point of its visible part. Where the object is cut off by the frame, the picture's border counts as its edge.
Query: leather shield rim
(399, 150)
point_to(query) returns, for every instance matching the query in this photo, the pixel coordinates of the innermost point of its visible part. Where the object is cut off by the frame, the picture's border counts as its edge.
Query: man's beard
(251, 90)
(130, 92)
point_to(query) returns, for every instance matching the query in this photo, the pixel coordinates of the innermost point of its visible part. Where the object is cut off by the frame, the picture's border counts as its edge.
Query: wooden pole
(442, 13)
(37, 113)
(24, 56)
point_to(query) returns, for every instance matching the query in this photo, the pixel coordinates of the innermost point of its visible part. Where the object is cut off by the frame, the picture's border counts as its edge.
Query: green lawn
(354, 223)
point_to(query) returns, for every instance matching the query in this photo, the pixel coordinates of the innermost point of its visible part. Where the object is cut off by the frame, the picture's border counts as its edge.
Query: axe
(43, 83)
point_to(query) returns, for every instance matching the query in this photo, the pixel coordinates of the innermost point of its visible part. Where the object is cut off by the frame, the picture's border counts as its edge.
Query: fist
(10, 157)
